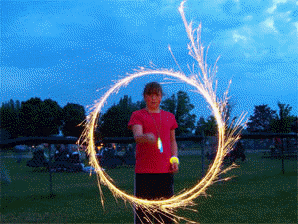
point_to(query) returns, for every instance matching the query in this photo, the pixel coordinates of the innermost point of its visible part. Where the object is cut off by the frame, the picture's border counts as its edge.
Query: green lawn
(259, 193)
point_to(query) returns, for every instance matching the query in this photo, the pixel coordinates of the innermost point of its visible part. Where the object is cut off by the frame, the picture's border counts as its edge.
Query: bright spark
(205, 85)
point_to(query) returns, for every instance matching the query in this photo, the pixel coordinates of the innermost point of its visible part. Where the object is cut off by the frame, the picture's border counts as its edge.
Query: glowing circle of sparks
(227, 137)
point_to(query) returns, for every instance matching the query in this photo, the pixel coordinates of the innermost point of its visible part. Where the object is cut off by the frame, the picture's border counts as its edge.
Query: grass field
(259, 193)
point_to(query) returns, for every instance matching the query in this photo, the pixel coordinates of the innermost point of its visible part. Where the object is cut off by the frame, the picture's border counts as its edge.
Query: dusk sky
(73, 51)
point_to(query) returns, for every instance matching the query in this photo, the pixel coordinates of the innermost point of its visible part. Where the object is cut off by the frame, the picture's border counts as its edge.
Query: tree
(211, 126)
(31, 117)
(9, 118)
(140, 104)
(228, 112)
(207, 128)
(52, 117)
(114, 122)
(294, 126)
(170, 104)
(200, 128)
(284, 121)
(40, 118)
(261, 120)
(181, 107)
(73, 118)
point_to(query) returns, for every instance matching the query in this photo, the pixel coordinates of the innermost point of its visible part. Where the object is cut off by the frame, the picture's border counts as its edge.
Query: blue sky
(72, 51)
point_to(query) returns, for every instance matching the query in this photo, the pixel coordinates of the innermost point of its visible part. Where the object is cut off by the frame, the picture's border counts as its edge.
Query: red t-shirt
(149, 159)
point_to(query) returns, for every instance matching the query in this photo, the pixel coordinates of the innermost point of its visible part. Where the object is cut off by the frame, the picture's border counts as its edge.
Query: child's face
(153, 100)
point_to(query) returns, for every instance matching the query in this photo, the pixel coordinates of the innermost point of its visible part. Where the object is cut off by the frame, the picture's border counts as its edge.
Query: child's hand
(150, 138)
(174, 167)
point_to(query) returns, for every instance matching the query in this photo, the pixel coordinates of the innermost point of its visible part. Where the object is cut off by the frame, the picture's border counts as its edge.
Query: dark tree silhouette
(181, 107)
(261, 119)
(114, 122)
(207, 128)
(52, 117)
(283, 122)
(40, 118)
(73, 119)
(31, 121)
(9, 118)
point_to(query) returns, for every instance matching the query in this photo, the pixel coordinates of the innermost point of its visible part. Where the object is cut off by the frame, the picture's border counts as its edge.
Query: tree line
(114, 121)
(36, 117)
(264, 119)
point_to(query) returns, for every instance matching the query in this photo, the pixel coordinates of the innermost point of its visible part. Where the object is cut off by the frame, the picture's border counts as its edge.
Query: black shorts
(153, 186)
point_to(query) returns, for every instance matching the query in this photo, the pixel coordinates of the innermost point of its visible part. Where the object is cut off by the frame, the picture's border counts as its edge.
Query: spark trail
(204, 84)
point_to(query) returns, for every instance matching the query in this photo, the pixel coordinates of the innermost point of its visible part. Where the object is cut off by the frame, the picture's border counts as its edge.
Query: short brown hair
(152, 88)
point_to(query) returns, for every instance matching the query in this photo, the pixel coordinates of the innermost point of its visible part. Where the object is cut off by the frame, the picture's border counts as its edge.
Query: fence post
(203, 156)
(282, 156)
(50, 170)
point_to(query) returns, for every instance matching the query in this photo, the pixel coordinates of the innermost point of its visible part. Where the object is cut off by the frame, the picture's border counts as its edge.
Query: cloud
(261, 37)
(275, 4)
(67, 49)
(296, 25)
(272, 9)
(237, 37)
(267, 26)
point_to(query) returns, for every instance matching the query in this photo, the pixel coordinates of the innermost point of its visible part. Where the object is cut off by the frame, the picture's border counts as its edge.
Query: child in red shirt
(156, 151)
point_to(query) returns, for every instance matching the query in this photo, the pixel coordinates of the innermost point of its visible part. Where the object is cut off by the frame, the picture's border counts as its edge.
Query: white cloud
(256, 42)
(267, 26)
(284, 16)
(241, 37)
(245, 42)
(272, 9)
(237, 37)
(274, 6)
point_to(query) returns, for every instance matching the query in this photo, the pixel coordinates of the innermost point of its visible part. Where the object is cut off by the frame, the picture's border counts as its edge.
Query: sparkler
(204, 85)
